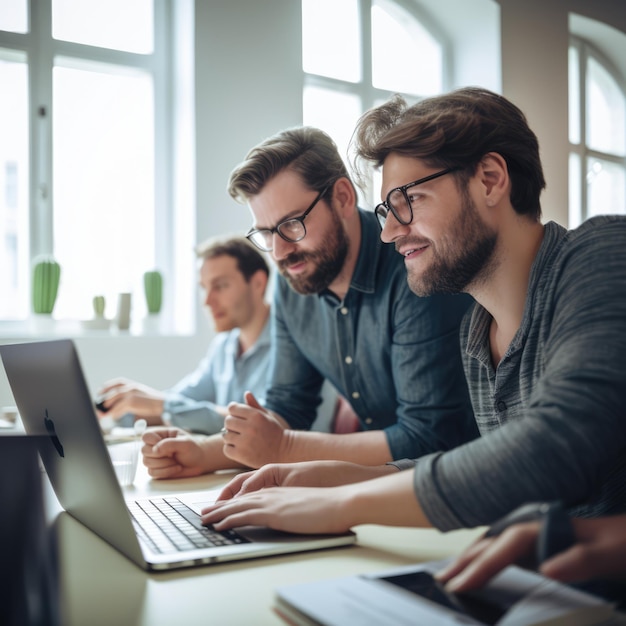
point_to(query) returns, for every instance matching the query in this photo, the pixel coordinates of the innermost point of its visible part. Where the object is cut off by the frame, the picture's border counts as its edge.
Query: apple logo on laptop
(53, 434)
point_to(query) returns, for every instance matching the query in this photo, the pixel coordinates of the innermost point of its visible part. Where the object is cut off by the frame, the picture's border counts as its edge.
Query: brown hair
(249, 259)
(457, 130)
(305, 150)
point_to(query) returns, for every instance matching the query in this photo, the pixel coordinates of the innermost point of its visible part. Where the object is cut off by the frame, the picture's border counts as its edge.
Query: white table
(100, 586)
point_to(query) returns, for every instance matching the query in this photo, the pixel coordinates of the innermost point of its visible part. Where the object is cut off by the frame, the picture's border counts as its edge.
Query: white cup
(125, 456)
(9, 414)
(123, 311)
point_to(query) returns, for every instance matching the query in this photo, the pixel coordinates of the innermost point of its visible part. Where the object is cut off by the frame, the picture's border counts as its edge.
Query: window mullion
(365, 11)
(582, 85)
(163, 149)
(40, 85)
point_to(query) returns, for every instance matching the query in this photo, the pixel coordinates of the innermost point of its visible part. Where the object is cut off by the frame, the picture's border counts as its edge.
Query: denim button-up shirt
(393, 355)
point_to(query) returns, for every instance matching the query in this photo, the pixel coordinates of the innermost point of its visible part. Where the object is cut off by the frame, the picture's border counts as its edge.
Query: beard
(464, 257)
(328, 261)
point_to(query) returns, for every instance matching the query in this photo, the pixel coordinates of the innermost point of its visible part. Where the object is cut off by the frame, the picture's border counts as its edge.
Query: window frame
(363, 89)
(586, 50)
(41, 50)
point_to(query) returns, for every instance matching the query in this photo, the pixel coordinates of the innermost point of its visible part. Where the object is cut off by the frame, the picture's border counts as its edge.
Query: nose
(281, 248)
(209, 297)
(392, 229)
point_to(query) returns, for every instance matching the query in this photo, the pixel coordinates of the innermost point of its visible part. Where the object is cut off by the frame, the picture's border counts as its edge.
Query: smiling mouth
(411, 252)
(296, 268)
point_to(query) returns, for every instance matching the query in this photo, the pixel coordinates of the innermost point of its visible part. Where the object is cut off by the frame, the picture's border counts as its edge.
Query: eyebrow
(289, 216)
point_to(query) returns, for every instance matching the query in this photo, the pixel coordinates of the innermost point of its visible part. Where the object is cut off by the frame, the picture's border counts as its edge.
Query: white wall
(249, 84)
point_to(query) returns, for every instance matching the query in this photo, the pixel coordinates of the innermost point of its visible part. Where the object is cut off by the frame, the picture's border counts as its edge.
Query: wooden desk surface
(100, 586)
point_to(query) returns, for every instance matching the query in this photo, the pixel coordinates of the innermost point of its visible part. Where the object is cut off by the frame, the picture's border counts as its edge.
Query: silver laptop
(52, 397)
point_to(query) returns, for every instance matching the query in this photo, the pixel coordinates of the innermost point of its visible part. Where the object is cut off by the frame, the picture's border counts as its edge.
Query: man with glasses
(544, 347)
(342, 312)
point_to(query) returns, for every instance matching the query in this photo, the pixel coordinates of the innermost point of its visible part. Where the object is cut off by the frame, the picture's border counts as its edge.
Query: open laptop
(53, 400)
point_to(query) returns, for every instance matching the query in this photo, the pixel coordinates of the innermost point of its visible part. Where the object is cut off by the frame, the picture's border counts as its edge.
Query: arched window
(597, 134)
(369, 50)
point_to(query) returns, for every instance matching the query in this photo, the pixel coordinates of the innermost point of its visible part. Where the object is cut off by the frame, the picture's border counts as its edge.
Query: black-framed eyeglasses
(399, 202)
(291, 229)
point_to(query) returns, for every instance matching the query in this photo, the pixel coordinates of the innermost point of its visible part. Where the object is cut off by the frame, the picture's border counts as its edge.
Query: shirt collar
(366, 269)
(263, 341)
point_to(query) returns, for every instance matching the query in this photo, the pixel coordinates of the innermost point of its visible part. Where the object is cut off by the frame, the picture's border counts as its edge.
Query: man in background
(234, 277)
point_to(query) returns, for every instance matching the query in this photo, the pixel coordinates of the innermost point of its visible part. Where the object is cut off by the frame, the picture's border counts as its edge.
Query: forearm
(336, 473)
(366, 448)
(388, 500)
(480, 482)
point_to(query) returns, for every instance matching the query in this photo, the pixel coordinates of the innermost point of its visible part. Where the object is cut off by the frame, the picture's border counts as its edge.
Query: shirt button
(501, 405)
(344, 310)
(348, 360)
(368, 420)
(356, 395)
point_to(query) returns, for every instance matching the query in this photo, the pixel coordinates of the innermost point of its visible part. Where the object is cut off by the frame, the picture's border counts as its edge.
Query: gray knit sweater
(552, 415)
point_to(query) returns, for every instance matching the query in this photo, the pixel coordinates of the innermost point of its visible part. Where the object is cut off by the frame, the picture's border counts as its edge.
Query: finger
(168, 447)
(227, 516)
(573, 565)
(235, 408)
(151, 438)
(257, 480)
(244, 518)
(111, 385)
(233, 487)
(232, 425)
(462, 561)
(170, 471)
(252, 401)
(156, 434)
(506, 549)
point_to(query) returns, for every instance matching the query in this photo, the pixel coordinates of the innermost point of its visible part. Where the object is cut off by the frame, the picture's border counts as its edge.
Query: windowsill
(42, 327)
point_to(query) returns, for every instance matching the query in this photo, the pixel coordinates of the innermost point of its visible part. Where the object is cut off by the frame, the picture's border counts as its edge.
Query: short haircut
(305, 150)
(249, 259)
(457, 130)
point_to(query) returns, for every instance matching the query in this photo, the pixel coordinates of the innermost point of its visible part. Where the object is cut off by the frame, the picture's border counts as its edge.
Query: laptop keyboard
(168, 525)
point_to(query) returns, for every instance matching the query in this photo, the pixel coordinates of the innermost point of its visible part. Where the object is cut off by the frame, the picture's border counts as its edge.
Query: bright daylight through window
(83, 149)
(353, 67)
(597, 135)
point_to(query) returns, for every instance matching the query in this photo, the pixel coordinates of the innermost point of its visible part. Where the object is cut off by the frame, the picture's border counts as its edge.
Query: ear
(344, 197)
(258, 282)
(493, 174)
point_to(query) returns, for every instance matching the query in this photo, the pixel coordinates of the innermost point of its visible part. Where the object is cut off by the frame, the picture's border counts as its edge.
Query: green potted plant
(99, 303)
(98, 322)
(44, 287)
(153, 291)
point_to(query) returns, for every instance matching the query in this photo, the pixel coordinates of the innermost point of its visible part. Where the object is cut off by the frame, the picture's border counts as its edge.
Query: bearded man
(343, 312)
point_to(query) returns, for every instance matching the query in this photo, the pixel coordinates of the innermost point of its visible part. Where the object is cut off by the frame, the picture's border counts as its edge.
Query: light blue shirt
(221, 377)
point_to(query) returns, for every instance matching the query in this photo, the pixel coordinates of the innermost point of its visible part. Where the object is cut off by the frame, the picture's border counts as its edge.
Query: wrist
(288, 447)
(167, 410)
(347, 504)
(355, 505)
